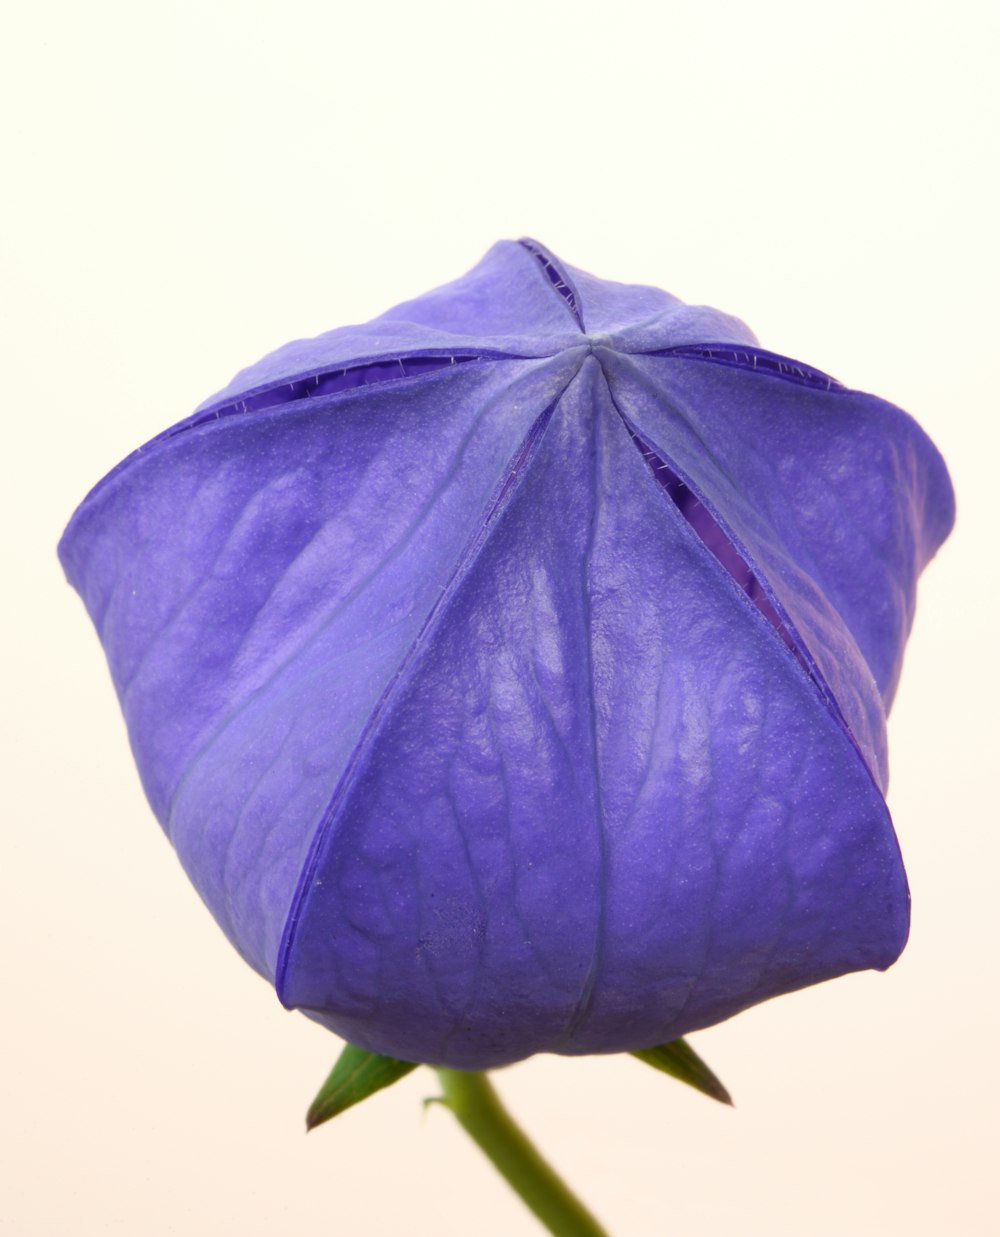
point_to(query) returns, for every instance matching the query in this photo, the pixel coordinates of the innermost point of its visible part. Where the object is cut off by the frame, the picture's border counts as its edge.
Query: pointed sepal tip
(357, 1075)
(680, 1061)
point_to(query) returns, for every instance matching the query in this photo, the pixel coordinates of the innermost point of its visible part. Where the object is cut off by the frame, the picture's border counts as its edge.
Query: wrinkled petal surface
(510, 672)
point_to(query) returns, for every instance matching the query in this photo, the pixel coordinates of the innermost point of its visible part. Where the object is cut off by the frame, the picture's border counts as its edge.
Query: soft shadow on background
(191, 184)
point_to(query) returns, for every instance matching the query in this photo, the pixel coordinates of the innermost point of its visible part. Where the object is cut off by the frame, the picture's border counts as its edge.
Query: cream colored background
(191, 184)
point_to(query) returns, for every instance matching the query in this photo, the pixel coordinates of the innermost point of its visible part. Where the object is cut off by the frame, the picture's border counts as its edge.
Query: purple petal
(253, 610)
(503, 305)
(839, 498)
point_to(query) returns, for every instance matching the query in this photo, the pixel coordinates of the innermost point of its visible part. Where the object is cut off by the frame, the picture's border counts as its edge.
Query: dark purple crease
(556, 277)
(328, 382)
(754, 359)
(714, 538)
(334, 380)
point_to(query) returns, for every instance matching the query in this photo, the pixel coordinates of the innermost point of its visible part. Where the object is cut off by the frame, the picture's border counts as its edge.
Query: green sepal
(357, 1075)
(681, 1061)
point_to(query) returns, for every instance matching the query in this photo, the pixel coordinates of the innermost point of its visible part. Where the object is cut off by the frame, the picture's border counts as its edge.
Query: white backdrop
(190, 184)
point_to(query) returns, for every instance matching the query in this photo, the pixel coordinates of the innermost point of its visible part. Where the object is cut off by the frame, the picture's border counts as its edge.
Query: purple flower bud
(510, 672)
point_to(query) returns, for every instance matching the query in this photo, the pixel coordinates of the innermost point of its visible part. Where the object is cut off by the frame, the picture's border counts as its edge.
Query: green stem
(477, 1106)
